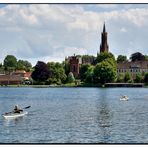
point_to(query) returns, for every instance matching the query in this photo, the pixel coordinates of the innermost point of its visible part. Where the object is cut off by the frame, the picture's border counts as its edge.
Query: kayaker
(17, 109)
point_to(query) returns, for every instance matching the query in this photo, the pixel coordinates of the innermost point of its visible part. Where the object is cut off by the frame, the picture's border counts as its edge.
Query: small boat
(124, 98)
(12, 115)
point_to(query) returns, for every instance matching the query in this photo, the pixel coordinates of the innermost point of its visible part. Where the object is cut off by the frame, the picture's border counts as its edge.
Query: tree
(88, 59)
(24, 65)
(121, 58)
(104, 72)
(120, 78)
(41, 72)
(104, 55)
(146, 57)
(146, 78)
(137, 56)
(89, 75)
(138, 78)
(127, 77)
(58, 73)
(70, 78)
(66, 66)
(83, 70)
(10, 62)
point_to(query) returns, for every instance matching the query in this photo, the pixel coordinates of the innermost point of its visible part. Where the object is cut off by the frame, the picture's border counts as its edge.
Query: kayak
(14, 115)
(124, 98)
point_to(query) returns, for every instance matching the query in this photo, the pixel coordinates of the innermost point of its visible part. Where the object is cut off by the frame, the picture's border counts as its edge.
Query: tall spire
(104, 30)
(104, 45)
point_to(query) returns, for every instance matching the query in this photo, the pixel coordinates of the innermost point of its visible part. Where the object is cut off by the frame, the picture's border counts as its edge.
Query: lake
(75, 115)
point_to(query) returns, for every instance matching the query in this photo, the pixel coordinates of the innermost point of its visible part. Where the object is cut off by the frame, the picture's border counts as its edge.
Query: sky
(51, 32)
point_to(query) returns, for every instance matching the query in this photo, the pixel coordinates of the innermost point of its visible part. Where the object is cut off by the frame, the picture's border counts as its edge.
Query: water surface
(75, 115)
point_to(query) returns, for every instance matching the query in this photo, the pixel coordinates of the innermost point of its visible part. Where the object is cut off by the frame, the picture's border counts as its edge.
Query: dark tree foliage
(83, 70)
(41, 72)
(146, 78)
(121, 58)
(66, 67)
(137, 56)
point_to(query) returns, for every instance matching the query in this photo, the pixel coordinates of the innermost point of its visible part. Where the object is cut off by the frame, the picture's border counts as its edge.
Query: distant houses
(132, 67)
(17, 77)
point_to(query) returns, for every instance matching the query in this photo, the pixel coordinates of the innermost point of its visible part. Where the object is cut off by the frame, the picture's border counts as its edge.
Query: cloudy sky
(50, 32)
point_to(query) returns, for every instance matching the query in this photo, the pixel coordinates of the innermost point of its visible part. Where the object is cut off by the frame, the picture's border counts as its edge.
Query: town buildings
(131, 67)
(17, 77)
(76, 61)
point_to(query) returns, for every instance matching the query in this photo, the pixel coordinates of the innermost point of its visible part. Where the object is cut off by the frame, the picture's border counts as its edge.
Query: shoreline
(74, 86)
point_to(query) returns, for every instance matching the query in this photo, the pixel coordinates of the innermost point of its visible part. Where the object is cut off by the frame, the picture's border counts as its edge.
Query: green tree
(10, 62)
(70, 78)
(127, 77)
(146, 78)
(24, 65)
(41, 72)
(120, 78)
(104, 55)
(83, 70)
(89, 74)
(88, 59)
(58, 75)
(66, 66)
(138, 78)
(146, 57)
(104, 72)
(121, 58)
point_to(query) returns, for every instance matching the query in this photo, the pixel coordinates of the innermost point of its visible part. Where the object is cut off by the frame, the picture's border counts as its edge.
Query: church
(131, 67)
(76, 61)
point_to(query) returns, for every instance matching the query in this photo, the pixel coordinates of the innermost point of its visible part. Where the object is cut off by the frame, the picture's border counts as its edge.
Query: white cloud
(123, 29)
(44, 31)
(107, 6)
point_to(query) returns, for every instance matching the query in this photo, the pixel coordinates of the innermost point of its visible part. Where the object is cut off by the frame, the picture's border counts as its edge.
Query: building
(76, 61)
(16, 77)
(132, 67)
(104, 45)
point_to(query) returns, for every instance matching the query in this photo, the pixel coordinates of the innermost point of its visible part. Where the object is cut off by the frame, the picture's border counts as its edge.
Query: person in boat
(17, 109)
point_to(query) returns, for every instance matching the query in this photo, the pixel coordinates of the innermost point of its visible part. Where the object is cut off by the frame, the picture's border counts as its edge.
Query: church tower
(104, 46)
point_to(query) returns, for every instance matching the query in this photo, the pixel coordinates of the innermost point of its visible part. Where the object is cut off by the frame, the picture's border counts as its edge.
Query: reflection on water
(12, 122)
(104, 117)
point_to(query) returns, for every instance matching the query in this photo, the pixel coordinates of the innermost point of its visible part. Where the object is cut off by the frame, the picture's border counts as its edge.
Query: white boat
(124, 98)
(14, 115)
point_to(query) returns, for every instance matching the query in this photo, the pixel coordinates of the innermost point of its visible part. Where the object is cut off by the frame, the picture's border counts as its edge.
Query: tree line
(11, 63)
(103, 70)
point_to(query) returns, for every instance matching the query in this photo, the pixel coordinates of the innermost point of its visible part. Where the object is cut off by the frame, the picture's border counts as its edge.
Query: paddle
(27, 107)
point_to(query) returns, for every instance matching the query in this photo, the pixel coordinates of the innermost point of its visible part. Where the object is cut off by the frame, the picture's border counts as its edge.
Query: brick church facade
(76, 61)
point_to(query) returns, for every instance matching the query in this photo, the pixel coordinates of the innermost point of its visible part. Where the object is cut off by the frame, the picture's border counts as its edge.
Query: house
(16, 77)
(132, 67)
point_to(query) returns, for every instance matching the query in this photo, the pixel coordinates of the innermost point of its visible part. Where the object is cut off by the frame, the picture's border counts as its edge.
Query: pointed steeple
(104, 30)
(104, 46)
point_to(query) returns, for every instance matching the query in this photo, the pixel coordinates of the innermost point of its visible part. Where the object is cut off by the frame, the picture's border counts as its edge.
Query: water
(75, 115)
